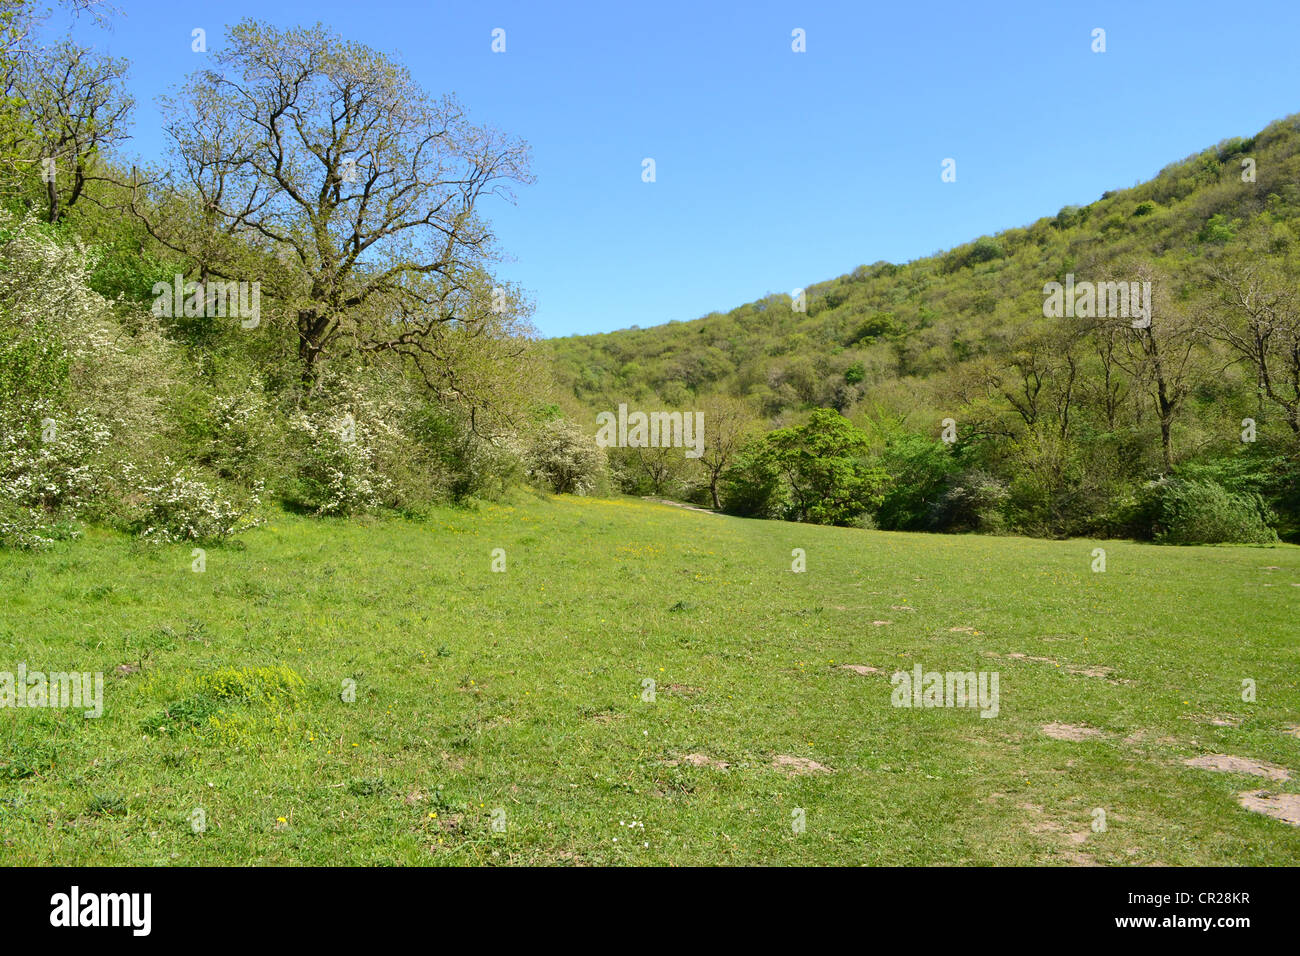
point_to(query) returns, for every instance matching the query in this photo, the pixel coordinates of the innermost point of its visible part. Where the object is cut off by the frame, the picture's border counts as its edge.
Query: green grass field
(479, 692)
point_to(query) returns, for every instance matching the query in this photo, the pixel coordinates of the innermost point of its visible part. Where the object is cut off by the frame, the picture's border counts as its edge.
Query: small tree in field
(823, 464)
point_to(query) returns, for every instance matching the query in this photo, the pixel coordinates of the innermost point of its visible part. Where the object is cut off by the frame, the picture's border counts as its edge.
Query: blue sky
(778, 169)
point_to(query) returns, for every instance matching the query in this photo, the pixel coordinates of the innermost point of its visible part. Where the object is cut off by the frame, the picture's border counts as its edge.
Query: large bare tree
(365, 190)
(1160, 355)
(78, 108)
(1258, 316)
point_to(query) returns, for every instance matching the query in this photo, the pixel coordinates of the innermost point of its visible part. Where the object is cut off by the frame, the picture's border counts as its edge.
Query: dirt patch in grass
(1091, 671)
(686, 690)
(1226, 763)
(454, 763)
(862, 669)
(1095, 670)
(1213, 720)
(881, 623)
(1279, 806)
(1070, 731)
(1044, 825)
(795, 766)
(698, 760)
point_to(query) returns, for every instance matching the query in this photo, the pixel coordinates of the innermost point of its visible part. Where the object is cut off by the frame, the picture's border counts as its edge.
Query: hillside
(928, 318)
(1059, 423)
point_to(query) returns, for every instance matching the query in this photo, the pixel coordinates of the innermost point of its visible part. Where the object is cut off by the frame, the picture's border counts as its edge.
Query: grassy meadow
(517, 697)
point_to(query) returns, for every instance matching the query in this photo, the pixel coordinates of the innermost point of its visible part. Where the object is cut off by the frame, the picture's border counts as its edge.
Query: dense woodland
(296, 308)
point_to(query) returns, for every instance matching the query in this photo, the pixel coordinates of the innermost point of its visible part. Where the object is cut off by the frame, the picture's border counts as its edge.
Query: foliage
(823, 466)
(1203, 512)
(186, 508)
(563, 459)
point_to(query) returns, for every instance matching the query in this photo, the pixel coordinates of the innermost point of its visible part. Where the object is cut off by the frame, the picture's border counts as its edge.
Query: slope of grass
(521, 693)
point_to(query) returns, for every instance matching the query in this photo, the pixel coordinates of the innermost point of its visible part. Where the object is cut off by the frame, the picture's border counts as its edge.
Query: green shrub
(1203, 512)
(823, 466)
(918, 469)
(751, 486)
(972, 501)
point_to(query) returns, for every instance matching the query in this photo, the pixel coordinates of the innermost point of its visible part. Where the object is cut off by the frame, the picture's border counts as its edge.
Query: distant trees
(1160, 356)
(729, 424)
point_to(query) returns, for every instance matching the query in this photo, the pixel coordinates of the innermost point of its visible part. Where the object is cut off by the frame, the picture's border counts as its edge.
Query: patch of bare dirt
(686, 690)
(1041, 824)
(698, 760)
(1096, 670)
(456, 763)
(862, 669)
(1279, 806)
(1070, 731)
(880, 623)
(1292, 729)
(1215, 721)
(1226, 763)
(794, 766)
(901, 607)
(965, 629)
(1140, 736)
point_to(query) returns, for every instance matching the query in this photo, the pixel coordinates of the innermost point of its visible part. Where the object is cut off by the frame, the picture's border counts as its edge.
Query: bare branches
(1257, 316)
(330, 157)
(78, 109)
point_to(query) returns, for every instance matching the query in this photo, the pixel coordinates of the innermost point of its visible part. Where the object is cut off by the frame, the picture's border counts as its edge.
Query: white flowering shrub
(226, 428)
(335, 468)
(43, 279)
(185, 508)
(31, 529)
(51, 472)
(564, 459)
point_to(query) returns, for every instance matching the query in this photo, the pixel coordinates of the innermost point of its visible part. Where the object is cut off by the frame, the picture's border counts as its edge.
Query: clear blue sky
(777, 169)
